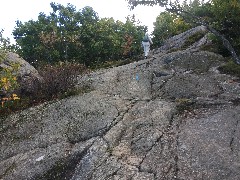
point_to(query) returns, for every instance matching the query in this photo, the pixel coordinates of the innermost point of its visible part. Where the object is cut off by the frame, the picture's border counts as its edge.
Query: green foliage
(230, 68)
(57, 82)
(134, 3)
(8, 86)
(5, 44)
(8, 79)
(2, 55)
(226, 20)
(216, 46)
(68, 34)
(167, 25)
(51, 38)
(222, 15)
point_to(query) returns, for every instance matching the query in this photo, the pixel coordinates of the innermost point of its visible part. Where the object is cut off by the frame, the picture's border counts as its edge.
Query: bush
(230, 68)
(192, 39)
(216, 46)
(57, 82)
(8, 83)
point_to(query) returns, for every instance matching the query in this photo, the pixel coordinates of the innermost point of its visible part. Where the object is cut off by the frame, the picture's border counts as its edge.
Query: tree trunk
(226, 43)
(198, 21)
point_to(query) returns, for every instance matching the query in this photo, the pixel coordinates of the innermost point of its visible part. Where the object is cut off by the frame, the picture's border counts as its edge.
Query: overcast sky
(25, 10)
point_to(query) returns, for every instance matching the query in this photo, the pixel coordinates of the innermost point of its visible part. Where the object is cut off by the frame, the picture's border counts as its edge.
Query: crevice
(103, 131)
(145, 156)
(95, 168)
(120, 118)
(161, 141)
(64, 167)
(9, 169)
(112, 174)
(233, 135)
(164, 82)
(151, 86)
(102, 164)
(176, 158)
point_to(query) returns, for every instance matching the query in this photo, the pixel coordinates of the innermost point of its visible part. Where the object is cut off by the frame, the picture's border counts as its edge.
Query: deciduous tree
(219, 16)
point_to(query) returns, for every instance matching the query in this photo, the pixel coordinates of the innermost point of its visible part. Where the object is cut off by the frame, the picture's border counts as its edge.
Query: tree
(226, 19)
(8, 80)
(132, 33)
(218, 8)
(167, 25)
(68, 34)
(134, 3)
(51, 38)
(5, 44)
(209, 19)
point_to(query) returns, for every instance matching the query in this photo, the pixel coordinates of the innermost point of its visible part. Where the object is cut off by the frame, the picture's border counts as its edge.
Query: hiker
(146, 42)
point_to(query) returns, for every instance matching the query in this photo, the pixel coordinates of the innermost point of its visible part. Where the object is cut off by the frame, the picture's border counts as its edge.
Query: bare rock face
(176, 117)
(178, 41)
(26, 73)
(208, 145)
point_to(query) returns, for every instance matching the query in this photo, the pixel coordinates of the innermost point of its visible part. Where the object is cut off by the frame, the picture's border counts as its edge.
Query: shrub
(216, 46)
(230, 68)
(8, 82)
(8, 79)
(192, 39)
(57, 82)
(184, 105)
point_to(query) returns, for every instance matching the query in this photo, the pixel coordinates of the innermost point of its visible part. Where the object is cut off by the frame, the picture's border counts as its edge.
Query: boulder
(179, 41)
(27, 75)
(178, 120)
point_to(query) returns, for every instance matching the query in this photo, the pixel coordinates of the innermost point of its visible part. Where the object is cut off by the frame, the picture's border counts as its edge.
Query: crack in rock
(129, 129)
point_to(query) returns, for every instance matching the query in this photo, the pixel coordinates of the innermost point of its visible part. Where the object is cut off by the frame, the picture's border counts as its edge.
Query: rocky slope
(176, 117)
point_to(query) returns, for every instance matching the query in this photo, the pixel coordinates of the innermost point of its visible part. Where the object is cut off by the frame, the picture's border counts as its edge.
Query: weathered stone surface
(73, 120)
(34, 162)
(178, 41)
(178, 120)
(25, 70)
(26, 73)
(207, 145)
(204, 41)
(122, 82)
(196, 61)
(191, 86)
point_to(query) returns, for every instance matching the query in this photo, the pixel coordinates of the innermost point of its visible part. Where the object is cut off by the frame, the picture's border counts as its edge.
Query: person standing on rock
(146, 42)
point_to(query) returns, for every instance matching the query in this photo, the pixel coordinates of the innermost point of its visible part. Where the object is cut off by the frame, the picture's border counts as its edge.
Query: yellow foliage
(4, 80)
(15, 97)
(8, 83)
(235, 3)
(12, 98)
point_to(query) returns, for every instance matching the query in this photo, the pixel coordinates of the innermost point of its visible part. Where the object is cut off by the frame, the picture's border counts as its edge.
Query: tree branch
(199, 21)
(175, 8)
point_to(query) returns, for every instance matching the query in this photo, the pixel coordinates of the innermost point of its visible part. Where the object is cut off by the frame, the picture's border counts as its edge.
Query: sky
(25, 10)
